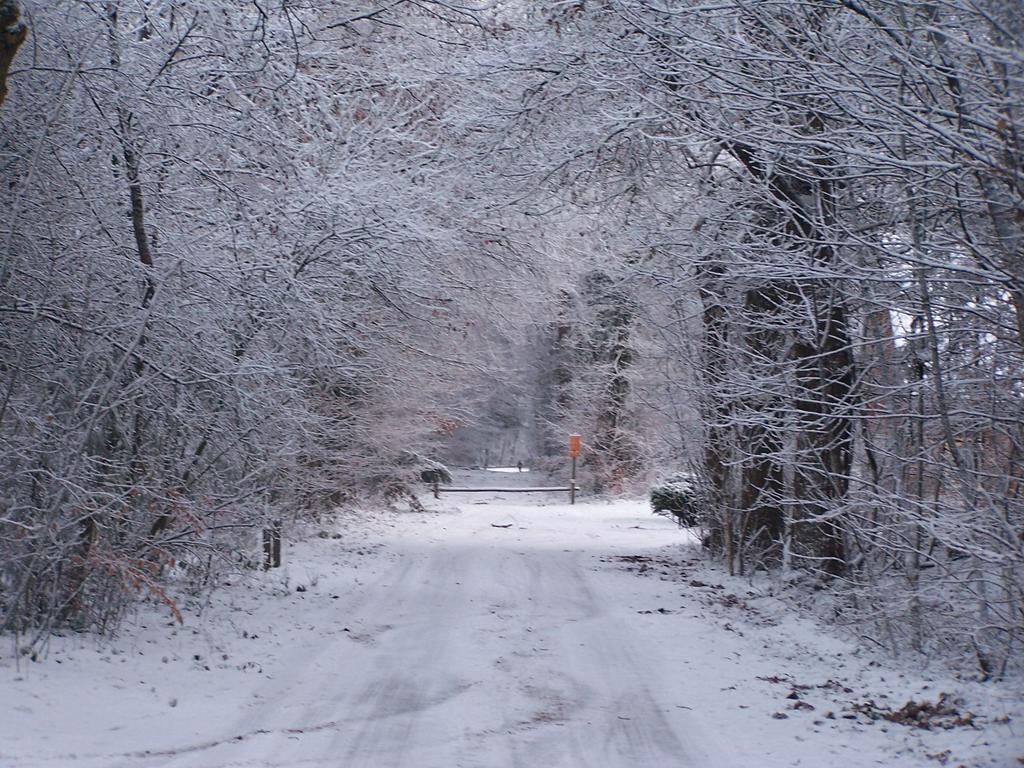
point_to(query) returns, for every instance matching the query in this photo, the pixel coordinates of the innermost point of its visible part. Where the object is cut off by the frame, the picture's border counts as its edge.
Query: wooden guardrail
(571, 489)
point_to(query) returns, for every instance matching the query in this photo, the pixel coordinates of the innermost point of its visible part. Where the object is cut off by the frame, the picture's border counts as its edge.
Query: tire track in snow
(612, 716)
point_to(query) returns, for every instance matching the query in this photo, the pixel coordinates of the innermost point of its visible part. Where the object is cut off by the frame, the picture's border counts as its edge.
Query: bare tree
(828, 191)
(221, 277)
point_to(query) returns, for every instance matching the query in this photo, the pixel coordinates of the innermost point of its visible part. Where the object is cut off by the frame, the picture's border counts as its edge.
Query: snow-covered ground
(494, 630)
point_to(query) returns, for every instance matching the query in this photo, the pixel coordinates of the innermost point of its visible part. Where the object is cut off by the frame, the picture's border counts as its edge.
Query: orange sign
(574, 446)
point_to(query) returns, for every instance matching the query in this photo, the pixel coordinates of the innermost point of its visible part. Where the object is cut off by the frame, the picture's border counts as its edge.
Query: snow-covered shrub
(678, 496)
(436, 472)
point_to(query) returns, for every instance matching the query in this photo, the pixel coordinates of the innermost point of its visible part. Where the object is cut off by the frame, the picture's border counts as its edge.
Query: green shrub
(678, 496)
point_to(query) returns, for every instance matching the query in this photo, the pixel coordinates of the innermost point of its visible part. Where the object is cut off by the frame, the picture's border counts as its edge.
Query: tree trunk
(12, 34)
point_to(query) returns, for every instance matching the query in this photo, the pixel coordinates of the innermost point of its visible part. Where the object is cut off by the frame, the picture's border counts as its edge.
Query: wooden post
(277, 543)
(572, 483)
(575, 444)
(272, 546)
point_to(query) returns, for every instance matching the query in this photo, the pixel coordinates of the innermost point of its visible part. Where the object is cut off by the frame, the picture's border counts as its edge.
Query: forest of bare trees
(258, 259)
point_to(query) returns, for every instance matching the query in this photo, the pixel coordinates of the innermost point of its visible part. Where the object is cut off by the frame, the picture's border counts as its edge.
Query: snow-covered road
(480, 646)
(488, 632)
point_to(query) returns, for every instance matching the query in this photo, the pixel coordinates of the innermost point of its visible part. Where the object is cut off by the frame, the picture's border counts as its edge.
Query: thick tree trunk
(822, 367)
(714, 408)
(614, 454)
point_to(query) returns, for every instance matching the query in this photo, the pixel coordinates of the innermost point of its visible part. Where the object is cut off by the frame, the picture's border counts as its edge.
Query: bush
(436, 472)
(678, 496)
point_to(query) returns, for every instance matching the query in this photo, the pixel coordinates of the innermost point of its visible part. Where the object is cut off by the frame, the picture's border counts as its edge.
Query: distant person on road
(520, 466)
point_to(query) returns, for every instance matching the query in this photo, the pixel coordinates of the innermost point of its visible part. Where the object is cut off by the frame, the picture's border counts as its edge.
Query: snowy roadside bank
(489, 632)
